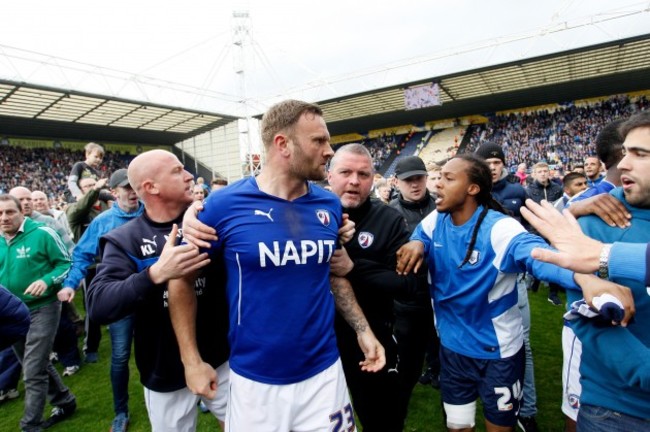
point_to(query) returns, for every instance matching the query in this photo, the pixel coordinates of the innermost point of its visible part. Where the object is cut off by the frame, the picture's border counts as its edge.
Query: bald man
(137, 261)
(41, 204)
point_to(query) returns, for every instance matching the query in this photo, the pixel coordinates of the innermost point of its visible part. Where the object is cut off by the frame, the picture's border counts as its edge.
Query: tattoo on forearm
(346, 304)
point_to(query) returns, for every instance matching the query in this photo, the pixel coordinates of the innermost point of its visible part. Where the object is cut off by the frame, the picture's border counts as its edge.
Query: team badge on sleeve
(323, 217)
(365, 239)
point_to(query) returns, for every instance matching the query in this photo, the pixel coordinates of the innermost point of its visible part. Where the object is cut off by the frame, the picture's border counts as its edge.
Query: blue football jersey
(277, 255)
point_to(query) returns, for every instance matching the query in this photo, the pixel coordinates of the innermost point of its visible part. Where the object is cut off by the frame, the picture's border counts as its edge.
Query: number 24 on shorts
(503, 403)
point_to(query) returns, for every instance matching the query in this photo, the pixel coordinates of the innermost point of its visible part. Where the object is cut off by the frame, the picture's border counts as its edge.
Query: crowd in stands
(563, 137)
(381, 148)
(47, 169)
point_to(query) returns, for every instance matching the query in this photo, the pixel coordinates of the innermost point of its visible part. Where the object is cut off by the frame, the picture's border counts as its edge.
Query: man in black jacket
(138, 260)
(414, 328)
(368, 261)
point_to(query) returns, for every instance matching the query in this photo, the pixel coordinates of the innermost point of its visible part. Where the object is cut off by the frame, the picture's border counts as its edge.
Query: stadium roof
(37, 111)
(599, 70)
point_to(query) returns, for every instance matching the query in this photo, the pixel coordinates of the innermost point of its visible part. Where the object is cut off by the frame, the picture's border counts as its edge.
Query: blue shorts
(497, 382)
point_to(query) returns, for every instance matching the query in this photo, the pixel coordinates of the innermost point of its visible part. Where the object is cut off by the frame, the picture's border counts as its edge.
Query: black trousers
(374, 395)
(415, 335)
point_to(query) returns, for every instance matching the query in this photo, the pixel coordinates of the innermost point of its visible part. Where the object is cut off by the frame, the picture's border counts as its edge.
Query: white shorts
(571, 388)
(318, 404)
(177, 411)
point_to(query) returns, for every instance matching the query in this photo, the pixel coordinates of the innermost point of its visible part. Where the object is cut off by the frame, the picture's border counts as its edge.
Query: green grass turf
(92, 387)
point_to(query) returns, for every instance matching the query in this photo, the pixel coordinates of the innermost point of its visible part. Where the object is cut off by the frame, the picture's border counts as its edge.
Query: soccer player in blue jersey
(276, 235)
(474, 252)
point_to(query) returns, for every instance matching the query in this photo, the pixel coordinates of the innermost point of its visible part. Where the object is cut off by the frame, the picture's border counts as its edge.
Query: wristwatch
(603, 264)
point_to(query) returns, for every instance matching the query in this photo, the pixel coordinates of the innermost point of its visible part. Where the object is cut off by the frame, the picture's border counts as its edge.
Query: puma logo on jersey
(261, 213)
(153, 241)
(280, 254)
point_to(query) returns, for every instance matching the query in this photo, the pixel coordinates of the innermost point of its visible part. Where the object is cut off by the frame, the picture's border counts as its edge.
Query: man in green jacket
(33, 263)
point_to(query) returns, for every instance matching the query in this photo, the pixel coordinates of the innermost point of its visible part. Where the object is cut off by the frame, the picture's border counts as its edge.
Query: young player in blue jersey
(276, 234)
(474, 252)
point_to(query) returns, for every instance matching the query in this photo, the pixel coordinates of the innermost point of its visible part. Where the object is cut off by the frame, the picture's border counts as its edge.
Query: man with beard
(604, 358)
(276, 234)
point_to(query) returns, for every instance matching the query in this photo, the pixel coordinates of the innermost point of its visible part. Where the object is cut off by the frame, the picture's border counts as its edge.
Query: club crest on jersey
(474, 257)
(323, 217)
(365, 239)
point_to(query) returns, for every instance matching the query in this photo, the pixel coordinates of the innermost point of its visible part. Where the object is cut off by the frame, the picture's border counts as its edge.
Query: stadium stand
(562, 136)
(47, 169)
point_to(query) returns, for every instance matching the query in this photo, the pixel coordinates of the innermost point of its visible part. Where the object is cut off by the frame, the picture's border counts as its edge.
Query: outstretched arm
(346, 304)
(575, 251)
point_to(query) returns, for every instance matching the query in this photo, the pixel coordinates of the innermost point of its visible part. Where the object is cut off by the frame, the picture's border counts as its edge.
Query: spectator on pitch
(14, 324)
(138, 259)
(368, 262)
(272, 231)
(80, 215)
(34, 262)
(593, 171)
(198, 193)
(125, 209)
(383, 192)
(218, 183)
(573, 185)
(85, 169)
(201, 182)
(66, 337)
(42, 205)
(521, 173)
(24, 195)
(14, 319)
(71, 324)
(544, 189)
(414, 330)
(609, 147)
(586, 393)
(88, 207)
(433, 177)
(579, 168)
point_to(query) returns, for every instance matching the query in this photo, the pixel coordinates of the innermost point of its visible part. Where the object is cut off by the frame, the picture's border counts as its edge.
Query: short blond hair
(283, 116)
(539, 165)
(432, 166)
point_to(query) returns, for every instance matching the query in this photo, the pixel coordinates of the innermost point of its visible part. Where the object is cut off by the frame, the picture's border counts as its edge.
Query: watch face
(603, 267)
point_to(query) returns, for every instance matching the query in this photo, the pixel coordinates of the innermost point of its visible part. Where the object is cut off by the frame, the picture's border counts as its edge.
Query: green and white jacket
(36, 252)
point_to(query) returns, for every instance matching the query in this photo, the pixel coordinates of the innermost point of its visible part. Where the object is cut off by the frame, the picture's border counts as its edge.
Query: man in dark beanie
(507, 190)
